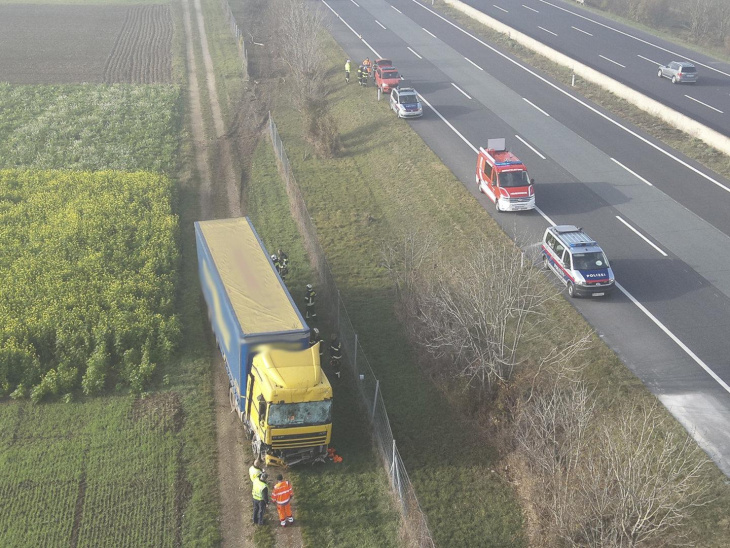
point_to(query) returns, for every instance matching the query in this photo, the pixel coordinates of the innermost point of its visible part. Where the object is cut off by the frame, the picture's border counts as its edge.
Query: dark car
(679, 72)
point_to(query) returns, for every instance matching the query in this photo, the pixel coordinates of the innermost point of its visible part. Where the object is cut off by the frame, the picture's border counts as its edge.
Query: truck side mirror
(262, 408)
(532, 181)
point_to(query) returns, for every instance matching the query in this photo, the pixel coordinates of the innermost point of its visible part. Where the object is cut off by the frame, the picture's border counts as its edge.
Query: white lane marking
(377, 55)
(575, 98)
(581, 30)
(381, 24)
(473, 63)
(704, 104)
(429, 105)
(632, 172)
(533, 105)
(431, 33)
(674, 53)
(640, 235)
(353, 1)
(461, 90)
(529, 8)
(657, 63)
(611, 60)
(396, 9)
(640, 306)
(532, 148)
(504, 10)
(413, 52)
(672, 336)
(546, 30)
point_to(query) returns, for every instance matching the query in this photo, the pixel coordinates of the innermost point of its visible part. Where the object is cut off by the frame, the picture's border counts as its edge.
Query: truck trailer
(277, 386)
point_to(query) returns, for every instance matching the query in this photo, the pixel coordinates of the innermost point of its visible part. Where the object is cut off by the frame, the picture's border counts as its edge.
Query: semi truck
(276, 383)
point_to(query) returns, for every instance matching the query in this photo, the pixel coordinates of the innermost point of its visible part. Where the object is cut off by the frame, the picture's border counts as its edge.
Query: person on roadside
(310, 312)
(348, 67)
(282, 495)
(283, 268)
(260, 493)
(361, 75)
(335, 354)
(257, 468)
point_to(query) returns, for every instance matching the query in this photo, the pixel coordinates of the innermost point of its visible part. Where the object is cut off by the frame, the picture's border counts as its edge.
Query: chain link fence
(238, 33)
(414, 521)
(415, 529)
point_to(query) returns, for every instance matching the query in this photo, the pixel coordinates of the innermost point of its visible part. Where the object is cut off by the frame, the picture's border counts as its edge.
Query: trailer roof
(261, 302)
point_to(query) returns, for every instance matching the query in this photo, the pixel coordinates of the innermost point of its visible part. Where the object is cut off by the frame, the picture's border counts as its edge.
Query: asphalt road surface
(661, 218)
(627, 55)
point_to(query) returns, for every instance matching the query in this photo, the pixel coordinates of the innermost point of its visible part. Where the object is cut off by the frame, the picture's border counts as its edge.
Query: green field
(90, 127)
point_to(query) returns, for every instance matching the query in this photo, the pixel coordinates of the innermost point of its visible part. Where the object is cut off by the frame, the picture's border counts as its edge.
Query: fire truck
(503, 177)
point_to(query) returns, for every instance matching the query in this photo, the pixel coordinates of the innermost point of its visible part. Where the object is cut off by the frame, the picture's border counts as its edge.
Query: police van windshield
(300, 414)
(595, 260)
(513, 179)
(407, 99)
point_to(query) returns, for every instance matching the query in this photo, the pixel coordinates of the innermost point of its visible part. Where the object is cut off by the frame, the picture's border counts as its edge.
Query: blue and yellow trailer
(277, 385)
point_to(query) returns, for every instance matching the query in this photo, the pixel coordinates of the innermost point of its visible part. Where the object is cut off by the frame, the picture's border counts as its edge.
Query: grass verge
(356, 209)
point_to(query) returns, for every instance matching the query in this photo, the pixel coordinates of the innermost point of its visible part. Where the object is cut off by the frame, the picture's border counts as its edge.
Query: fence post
(354, 359)
(375, 402)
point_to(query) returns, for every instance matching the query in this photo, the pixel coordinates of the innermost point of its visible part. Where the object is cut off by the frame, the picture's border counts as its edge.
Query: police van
(578, 261)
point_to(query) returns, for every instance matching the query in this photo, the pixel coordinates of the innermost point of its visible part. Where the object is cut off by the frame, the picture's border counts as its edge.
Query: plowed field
(58, 44)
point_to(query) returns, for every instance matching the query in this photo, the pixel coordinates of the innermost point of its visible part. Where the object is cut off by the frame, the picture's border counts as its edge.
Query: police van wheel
(571, 290)
(545, 263)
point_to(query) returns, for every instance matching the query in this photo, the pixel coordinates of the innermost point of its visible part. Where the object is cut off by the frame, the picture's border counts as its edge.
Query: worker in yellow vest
(260, 493)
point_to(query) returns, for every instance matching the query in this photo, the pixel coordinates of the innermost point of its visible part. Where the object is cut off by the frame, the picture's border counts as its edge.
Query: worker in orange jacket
(282, 495)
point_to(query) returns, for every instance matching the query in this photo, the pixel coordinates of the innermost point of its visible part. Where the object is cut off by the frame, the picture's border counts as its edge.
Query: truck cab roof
(288, 376)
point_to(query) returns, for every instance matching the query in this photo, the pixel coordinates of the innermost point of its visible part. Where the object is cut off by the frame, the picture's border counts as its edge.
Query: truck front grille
(310, 439)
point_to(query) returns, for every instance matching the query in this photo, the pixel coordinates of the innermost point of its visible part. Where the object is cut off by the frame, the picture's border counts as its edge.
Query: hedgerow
(89, 127)
(89, 266)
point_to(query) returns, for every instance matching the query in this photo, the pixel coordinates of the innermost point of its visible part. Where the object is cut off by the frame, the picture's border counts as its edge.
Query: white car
(404, 102)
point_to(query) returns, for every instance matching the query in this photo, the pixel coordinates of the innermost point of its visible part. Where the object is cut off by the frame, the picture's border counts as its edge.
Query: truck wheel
(571, 290)
(256, 447)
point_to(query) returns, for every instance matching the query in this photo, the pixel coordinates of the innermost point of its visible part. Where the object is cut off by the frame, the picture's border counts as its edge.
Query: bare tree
(474, 313)
(608, 481)
(300, 31)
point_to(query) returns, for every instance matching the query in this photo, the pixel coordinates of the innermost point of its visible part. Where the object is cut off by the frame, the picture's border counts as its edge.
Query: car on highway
(386, 78)
(405, 103)
(679, 72)
(503, 178)
(578, 261)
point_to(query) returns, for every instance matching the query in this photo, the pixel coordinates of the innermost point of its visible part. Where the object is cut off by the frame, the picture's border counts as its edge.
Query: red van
(503, 177)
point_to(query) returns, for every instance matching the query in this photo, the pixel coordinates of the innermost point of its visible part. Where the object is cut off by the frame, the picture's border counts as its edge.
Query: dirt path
(233, 448)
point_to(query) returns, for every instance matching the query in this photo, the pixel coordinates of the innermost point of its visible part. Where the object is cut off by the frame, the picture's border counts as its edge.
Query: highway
(627, 55)
(661, 218)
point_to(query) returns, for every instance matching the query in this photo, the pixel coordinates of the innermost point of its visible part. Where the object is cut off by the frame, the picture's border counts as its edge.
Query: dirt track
(233, 448)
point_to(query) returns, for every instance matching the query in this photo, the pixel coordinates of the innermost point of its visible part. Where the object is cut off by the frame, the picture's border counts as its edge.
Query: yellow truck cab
(290, 401)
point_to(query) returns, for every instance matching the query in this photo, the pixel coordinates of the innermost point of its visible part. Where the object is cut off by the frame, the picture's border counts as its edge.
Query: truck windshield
(300, 414)
(513, 178)
(589, 261)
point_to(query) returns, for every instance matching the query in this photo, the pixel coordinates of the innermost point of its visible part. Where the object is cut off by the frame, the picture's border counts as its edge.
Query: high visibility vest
(282, 492)
(254, 472)
(258, 489)
(348, 66)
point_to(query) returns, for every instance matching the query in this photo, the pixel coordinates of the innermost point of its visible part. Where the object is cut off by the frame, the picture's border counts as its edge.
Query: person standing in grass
(256, 469)
(311, 311)
(260, 493)
(335, 354)
(348, 66)
(282, 495)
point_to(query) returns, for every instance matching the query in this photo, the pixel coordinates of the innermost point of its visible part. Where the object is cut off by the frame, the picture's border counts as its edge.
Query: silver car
(679, 72)
(404, 102)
